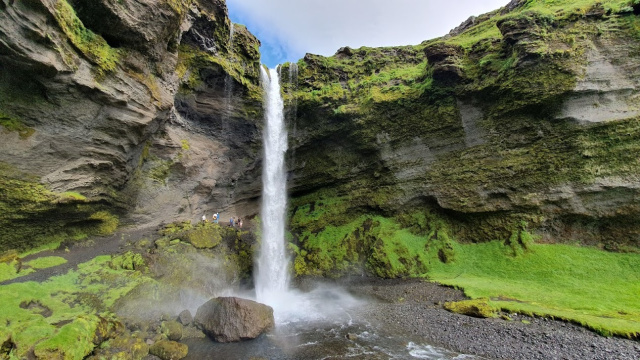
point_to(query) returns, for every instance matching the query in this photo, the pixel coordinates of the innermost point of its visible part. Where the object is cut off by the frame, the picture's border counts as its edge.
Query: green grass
(594, 288)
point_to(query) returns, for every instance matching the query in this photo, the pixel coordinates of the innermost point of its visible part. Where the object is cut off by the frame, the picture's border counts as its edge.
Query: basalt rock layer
(521, 121)
(116, 110)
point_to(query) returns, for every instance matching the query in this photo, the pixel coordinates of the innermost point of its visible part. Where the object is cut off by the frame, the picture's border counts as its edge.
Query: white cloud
(323, 26)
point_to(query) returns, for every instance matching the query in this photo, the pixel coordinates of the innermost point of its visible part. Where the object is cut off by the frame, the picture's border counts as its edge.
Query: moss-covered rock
(127, 261)
(476, 308)
(487, 128)
(172, 329)
(169, 350)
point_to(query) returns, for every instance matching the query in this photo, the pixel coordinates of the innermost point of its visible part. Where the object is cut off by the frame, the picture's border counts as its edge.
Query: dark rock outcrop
(231, 319)
(446, 61)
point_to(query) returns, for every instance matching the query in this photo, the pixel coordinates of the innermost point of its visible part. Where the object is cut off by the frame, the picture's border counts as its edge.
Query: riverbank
(415, 306)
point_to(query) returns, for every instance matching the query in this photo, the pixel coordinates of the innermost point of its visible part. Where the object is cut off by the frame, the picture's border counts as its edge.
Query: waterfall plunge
(272, 280)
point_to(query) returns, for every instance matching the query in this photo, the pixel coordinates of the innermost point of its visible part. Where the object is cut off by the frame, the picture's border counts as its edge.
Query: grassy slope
(588, 286)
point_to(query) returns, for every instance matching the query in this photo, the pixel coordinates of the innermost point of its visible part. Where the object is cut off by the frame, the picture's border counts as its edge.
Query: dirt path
(83, 251)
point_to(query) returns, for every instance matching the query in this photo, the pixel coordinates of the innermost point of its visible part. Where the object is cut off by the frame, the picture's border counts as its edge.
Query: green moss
(160, 171)
(13, 124)
(91, 45)
(128, 261)
(72, 196)
(108, 223)
(12, 269)
(476, 308)
(166, 349)
(191, 61)
(32, 216)
(204, 236)
(45, 262)
(57, 318)
(72, 341)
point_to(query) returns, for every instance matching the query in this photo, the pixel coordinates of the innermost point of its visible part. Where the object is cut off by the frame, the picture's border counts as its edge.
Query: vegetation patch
(591, 287)
(477, 308)
(333, 236)
(91, 45)
(32, 216)
(15, 125)
(45, 262)
(72, 324)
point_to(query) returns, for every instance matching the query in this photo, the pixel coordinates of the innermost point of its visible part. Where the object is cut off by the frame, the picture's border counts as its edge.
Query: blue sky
(290, 28)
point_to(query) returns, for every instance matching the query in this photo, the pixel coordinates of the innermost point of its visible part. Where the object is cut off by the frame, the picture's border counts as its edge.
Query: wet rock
(231, 319)
(172, 329)
(169, 350)
(185, 317)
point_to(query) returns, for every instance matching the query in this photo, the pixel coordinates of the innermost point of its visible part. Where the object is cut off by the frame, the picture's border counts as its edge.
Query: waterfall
(272, 279)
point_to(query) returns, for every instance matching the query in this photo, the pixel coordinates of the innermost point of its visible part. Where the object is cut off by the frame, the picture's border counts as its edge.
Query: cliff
(133, 111)
(520, 123)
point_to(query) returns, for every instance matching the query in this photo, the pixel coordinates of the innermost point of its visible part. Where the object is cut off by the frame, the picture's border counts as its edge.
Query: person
(231, 220)
(215, 218)
(240, 223)
(204, 218)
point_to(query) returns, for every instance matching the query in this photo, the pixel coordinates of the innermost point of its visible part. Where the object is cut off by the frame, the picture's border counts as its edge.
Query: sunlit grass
(588, 286)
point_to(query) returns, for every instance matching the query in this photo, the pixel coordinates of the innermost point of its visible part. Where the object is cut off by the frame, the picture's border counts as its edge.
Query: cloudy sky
(290, 28)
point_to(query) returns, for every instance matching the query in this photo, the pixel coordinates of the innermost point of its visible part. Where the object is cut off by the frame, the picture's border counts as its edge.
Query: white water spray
(272, 279)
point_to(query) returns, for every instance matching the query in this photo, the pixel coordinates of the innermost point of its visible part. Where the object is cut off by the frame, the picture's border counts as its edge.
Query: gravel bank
(414, 306)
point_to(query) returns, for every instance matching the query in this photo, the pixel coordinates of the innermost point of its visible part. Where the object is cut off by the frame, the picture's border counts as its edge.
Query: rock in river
(230, 319)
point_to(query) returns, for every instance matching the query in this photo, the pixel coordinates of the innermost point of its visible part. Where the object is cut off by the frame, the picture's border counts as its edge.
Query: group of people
(233, 222)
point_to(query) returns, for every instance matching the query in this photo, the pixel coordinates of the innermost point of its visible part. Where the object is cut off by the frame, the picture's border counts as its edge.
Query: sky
(290, 28)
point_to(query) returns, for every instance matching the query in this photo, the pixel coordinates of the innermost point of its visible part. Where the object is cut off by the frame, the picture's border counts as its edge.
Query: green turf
(597, 289)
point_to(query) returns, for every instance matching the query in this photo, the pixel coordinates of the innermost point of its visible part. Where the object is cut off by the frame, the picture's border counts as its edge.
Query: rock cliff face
(521, 120)
(117, 109)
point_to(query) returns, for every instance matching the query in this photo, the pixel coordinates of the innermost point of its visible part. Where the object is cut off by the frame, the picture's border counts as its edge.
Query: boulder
(169, 350)
(230, 319)
(185, 318)
(172, 329)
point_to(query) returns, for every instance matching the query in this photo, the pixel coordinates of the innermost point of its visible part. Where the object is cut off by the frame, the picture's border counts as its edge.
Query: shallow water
(323, 341)
(326, 323)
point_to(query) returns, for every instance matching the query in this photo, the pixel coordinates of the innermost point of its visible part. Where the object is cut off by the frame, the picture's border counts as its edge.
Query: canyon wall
(129, 112)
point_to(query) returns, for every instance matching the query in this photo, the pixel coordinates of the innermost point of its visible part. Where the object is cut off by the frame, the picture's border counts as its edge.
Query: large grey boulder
(230, 319)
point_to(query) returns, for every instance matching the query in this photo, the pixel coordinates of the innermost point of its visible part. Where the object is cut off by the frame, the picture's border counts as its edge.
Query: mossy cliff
(88, 99)
(520, 123)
